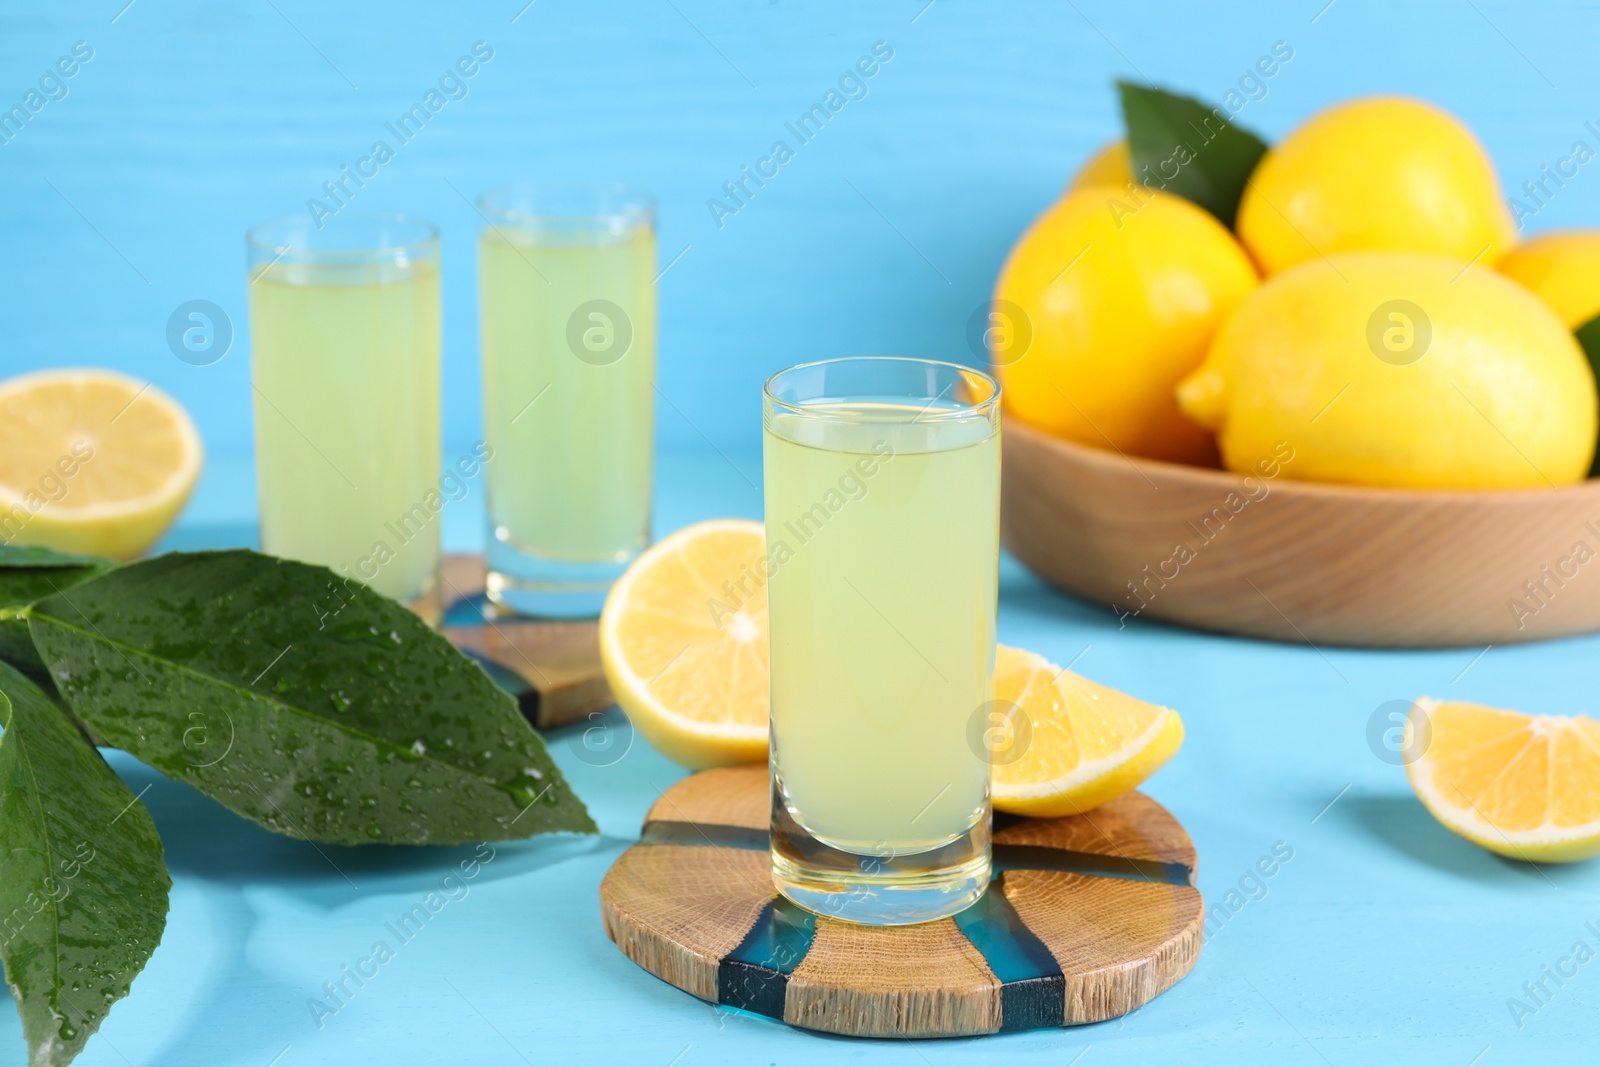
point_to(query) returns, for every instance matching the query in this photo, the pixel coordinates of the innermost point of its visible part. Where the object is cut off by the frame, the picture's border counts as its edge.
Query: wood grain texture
(559, 660)
(1119, 943)
(905, 981)
(727, 796)
(681, 936)
(697, 901)
(1296, 561)
(1132, 826)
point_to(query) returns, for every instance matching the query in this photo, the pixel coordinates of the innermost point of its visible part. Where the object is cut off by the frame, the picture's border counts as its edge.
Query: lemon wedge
(1525, 786)
(684, 641)
(1065, 744)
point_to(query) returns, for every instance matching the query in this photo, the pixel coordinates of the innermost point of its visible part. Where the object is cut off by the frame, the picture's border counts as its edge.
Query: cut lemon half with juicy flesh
(684, 641)
(1525, 786)
(1067, 744)
(92, 461)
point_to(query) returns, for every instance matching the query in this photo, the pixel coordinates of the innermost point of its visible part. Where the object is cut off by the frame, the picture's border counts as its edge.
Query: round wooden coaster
(1088, 918)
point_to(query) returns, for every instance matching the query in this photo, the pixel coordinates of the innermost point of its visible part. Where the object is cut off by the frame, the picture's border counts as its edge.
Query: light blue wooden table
(1384, 938)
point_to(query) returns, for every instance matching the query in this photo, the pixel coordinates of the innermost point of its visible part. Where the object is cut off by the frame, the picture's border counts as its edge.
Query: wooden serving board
(1088, 918)
(551, 666)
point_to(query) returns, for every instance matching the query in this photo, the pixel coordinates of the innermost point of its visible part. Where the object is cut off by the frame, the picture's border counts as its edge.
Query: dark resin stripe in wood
(1089, 917)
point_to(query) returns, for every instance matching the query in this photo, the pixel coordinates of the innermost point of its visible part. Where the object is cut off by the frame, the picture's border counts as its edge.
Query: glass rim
(965, 410)
(254, 237)
(635, 205)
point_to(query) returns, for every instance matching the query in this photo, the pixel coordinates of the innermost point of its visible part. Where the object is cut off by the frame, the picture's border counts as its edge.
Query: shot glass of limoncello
(344, 363)
(566, 289)
(882, 516)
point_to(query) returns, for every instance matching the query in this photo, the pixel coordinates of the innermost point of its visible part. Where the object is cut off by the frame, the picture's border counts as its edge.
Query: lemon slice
(1525, 786)
(92, 461)
(684, 641)
(1066, 744)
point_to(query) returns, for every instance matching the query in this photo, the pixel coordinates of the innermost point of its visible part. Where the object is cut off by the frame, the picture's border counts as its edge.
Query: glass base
(895, 890)
(526, 583)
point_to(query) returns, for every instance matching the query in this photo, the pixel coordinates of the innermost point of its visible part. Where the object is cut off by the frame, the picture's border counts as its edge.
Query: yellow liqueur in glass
(882, 503)
(344, 327)
(568, 328)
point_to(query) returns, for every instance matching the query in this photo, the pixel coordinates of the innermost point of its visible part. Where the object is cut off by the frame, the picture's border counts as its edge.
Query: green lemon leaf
(29, 574)
(21, 586)
(16, 649)
(40, 556)
(83, 885)
(300, 700)
(1589, 338)
(1183, 146)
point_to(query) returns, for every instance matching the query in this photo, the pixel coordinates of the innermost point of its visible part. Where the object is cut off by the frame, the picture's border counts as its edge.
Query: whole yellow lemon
(1112, 165)
(1115, 299)
(1388, 173)
(1398, 369)
(1563, 270)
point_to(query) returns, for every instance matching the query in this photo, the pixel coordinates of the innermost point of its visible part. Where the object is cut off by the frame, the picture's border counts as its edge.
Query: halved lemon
(1067, 744)
(683, 638)
(1525, 786)
(92, 461)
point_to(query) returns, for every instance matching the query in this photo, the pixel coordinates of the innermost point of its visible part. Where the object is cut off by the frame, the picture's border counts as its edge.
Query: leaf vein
(404, 751)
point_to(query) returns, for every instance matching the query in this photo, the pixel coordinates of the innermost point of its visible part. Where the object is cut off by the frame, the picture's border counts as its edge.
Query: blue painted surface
(1383, 939)
(882, 234)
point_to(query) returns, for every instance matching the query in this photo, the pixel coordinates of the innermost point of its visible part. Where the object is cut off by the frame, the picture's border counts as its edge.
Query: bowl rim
(1226, 480)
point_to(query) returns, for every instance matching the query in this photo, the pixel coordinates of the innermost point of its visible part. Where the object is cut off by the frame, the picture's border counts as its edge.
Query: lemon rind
(1468, 824)
(1090, 771)
(636, 688)
(170, 492)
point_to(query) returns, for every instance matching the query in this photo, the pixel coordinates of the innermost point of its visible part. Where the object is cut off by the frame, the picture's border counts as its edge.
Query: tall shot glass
(882, 519)
(568, 323)
(344, 363)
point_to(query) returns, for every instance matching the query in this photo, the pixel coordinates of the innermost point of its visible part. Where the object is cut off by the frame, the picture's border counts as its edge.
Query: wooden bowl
(1300, 561)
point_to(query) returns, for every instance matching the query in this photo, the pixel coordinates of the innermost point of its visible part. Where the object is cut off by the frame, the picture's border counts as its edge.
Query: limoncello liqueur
(345, 366)
(568, 327)
(883, 541)
(572, 436)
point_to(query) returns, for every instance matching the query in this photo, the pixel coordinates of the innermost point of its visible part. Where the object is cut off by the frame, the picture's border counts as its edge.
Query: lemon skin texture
(1121, 297)
(1562, 269)
(1492, 392)
(1387, 173)
(1111, 165)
